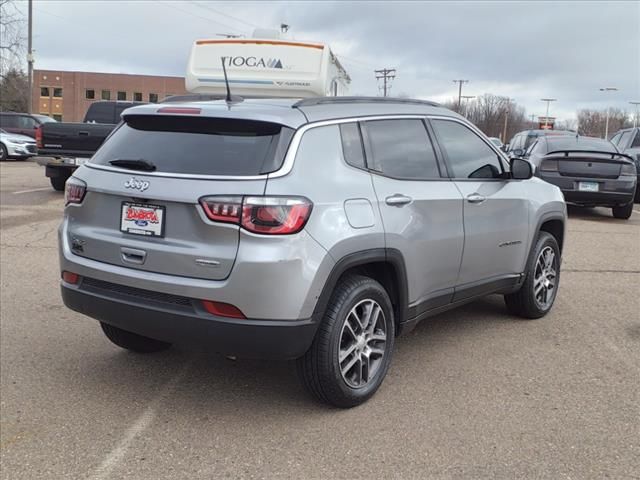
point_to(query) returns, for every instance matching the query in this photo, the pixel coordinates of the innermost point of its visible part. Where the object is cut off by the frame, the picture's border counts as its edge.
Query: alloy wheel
(545, 278)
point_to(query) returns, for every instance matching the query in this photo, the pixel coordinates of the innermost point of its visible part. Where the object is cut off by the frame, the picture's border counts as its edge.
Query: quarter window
(401, 149)
(624, 138)
(469, 156)
(636, 141)
(352, 145)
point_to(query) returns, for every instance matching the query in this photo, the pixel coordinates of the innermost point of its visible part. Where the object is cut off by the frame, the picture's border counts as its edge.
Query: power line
(167, 4)
(206, 7)
(386, 74)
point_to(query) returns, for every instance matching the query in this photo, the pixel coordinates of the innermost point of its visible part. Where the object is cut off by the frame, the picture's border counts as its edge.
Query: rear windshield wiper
(133, 164)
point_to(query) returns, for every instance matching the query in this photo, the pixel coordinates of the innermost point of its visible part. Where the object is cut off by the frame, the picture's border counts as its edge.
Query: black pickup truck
(63, 147)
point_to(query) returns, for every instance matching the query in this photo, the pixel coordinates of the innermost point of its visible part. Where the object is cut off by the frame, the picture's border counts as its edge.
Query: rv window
(202, 146)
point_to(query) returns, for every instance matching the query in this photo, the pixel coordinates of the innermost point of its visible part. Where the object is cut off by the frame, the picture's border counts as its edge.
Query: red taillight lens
(275, 215)
(222, 309)
(39, 137)
(74, 191)
(265, 215)
(222, 209)
(70, 277)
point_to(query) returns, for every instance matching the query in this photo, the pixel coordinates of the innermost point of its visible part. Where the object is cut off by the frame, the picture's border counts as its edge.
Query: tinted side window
(101, 113)
(616, 139)
(352, 144)
(27, 122)
(401, 149)
(636, 141)
(469, 156)
(9, 121)
(624, 139)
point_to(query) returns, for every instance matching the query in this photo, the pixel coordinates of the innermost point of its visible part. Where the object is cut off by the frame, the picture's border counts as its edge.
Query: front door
(495, 208)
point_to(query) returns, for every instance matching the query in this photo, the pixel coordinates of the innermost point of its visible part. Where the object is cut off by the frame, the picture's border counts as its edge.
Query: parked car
(62, 147)
(497, 142)
(589, 171)
(213, 223)
(628, 142)
(14, 145)
(521, 141)
(23, 123)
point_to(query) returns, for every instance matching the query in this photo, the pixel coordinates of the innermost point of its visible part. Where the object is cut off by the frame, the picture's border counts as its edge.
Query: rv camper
(265, 67)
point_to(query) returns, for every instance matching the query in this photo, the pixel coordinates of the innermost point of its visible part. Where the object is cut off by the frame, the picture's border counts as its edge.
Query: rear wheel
(351, 352)
(542, 277)
(3, 152)
(133, 341)
(58, 183)
(623, 212)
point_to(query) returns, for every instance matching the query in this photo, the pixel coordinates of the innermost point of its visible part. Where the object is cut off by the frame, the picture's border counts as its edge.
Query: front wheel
(133, 341)
(542, 279)
(3, 152)
(58, 183)
(351, 352)
(623, 212)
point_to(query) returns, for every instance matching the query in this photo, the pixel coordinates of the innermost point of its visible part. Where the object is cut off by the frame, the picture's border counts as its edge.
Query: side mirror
(518, 152)
(521, 169)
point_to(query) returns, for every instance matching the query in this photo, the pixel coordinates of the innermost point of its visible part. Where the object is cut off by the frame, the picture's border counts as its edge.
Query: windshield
(199, 145)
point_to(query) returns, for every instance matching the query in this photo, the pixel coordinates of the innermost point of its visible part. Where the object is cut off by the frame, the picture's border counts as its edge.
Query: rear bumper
(191, 325)
(611, 192)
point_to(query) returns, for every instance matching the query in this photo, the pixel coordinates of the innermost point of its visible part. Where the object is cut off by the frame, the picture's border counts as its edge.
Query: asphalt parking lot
(473, 393)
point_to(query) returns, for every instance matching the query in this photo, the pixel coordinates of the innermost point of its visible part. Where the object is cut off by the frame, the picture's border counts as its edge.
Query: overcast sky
(524, 50)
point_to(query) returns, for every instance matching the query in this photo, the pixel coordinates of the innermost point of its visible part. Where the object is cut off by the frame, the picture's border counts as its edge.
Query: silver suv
(316, 230)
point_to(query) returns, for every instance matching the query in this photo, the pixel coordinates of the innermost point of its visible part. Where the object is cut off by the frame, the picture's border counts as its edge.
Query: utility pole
(635, 117)
(606, 125)
(546, 118)
(386, 74)
(30, 58)
(460, 82)
(506, 119)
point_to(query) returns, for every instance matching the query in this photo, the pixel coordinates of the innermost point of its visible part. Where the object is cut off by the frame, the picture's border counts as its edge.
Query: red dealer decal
(140, 214)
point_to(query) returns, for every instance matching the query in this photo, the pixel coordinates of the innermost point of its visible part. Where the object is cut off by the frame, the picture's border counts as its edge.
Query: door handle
(398, 200)
(133, 255)
(476, 198)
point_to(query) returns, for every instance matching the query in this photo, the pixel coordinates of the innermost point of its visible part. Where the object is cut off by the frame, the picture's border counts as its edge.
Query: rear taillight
(628, 169)
(549, 166)
(74, 191)
(39, 137)
(264, 215)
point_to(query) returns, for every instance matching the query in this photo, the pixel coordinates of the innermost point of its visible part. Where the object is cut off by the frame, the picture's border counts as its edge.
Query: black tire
(319, 368)
(133, 341)
(3, 152)
(523, 302)
(58, 183)
(623, 212)
(636, 199)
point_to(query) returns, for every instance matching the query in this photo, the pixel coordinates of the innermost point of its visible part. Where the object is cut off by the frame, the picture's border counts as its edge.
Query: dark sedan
(589, 171)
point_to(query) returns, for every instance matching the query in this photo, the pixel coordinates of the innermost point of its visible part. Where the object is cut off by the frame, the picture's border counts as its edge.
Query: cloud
(524, 50)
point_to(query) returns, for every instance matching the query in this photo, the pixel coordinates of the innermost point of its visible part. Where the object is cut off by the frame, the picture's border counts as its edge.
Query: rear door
(152, 220)
(495, 209)
(421, 209)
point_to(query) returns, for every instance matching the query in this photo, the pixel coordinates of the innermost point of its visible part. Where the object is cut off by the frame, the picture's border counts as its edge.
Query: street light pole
(506, 119)
(30, 58)
(635, 117)
(546, 118)
(606, 123)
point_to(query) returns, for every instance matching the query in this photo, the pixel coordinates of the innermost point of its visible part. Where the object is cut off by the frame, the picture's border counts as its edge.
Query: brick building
(66, 96)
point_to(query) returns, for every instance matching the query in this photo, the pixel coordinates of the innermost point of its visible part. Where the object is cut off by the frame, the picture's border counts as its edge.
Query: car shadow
(211, 384)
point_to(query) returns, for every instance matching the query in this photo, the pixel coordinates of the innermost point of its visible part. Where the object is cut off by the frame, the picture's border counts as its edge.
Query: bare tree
(592, 122)
(12, 39)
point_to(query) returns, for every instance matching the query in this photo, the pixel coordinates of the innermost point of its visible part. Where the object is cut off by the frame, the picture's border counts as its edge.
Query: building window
(137, 96)
(153, 97)
(122, 95)
(106, 95)
(44, 91)
(57, 92)
(57, 117)
(90, 94)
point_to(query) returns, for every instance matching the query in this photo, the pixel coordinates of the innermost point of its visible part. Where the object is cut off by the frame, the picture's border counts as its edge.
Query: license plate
(142, 219)
(588, 186)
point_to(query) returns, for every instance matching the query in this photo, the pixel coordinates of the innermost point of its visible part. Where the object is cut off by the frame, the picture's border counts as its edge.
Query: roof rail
(307, 102)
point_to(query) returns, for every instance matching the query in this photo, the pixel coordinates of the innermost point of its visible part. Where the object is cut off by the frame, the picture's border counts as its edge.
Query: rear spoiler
(566, 153)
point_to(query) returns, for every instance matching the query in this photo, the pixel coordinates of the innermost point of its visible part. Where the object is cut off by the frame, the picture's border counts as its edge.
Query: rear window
(198, 145)
(579, 143)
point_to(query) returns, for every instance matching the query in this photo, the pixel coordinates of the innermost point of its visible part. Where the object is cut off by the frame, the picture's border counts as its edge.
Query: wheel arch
(554, 224)
(384, 265)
